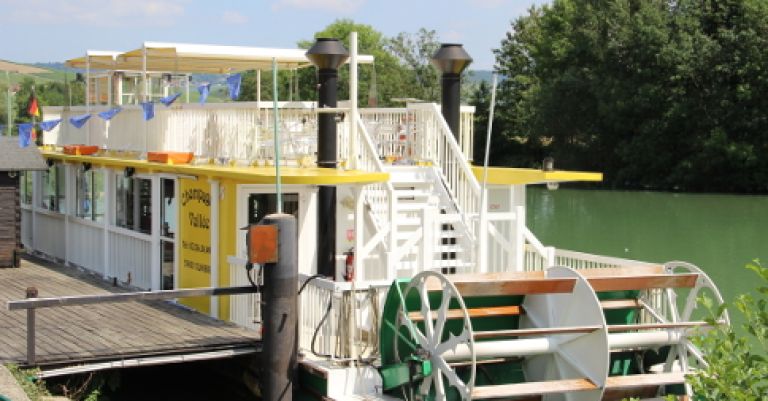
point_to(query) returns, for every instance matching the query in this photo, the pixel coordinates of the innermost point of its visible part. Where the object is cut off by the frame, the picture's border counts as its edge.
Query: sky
(56, 30)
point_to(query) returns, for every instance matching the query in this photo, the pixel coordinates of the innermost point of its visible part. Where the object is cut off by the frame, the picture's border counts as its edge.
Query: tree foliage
(738, 364)
(414, 52)
(657, 94)
(401, 68)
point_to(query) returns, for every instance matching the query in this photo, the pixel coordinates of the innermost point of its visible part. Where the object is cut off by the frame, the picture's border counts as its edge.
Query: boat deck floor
(109, 332)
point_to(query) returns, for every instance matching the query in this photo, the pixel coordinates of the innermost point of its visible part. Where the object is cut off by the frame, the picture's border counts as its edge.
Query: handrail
(383, 208)
(32, 303)
(75, 300)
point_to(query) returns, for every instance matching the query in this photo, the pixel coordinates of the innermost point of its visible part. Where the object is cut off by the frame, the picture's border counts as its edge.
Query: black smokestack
(327, 55)
(451, 59)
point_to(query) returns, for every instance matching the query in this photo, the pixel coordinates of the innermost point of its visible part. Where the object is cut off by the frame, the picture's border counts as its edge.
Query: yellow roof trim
(246, 175)
(524, 176)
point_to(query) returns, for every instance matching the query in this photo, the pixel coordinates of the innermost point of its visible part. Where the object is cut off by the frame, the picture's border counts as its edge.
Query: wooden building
(13, 161)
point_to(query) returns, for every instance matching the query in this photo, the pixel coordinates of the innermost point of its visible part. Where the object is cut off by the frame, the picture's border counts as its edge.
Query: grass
(27, 379)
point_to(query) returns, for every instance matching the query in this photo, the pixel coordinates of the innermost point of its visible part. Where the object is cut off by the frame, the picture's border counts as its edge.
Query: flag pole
(276, 138)
(483, 242)
(9, 119)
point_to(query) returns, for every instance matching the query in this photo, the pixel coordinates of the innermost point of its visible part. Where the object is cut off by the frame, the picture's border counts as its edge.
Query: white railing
(576, 260)
(85, 242)
(244, 309)
(339, 321)
(437, 144)
(537, 256)
(49, 234)
(467, 131)
(239, 132)
(392, 132)
(381, 202)
(130, 257)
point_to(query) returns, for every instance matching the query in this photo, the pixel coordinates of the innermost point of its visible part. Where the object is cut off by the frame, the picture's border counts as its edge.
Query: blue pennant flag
(204, 89)
(79, 121)
(168, 100)
(108, 114)
(50, 124)
(149, 110)
(25, 134)
(233, 81)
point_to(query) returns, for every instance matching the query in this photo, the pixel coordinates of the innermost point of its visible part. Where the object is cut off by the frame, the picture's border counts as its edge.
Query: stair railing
(436, 144)
(380, 200)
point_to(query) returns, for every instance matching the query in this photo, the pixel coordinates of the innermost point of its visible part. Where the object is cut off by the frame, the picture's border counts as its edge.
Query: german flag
(33, 108)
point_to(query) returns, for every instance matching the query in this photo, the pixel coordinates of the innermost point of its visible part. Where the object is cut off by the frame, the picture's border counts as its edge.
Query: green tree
(656, 94)
(380, 82)
(414, 52)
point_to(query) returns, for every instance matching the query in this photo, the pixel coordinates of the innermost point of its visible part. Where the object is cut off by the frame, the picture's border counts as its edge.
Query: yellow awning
(518, 176)
(245, 175)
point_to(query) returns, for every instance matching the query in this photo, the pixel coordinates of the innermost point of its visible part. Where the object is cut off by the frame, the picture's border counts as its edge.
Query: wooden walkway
(73, 335)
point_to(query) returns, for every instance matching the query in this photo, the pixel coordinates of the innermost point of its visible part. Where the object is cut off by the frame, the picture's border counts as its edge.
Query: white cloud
(341, 6)
(95, 12)
(233, 17)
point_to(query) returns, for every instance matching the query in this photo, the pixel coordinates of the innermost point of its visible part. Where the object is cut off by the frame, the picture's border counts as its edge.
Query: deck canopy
(196, 58)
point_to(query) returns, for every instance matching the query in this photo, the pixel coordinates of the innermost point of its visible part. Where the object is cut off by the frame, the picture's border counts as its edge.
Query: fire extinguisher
(349, 264)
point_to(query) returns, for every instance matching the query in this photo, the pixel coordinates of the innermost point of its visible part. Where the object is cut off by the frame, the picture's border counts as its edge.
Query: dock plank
(102, 332)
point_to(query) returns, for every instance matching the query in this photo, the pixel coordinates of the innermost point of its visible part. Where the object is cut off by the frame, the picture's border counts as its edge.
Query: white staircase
(430, 232)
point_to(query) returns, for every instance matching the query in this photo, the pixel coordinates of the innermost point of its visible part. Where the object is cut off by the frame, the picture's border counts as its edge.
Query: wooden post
(31, 293)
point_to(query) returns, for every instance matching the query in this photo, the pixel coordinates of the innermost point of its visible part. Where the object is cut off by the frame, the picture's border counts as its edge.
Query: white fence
(230, 132)
(85, 245)
(130, 257)
(50, 238)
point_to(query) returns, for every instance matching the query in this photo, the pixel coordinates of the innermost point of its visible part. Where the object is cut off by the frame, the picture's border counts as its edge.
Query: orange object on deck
(80, 150)
(170, 157)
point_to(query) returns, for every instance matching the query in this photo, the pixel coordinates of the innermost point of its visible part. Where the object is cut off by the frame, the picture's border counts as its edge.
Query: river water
(718, 233)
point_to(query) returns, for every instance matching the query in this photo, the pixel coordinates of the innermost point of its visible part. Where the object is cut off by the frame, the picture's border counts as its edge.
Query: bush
(738, 364)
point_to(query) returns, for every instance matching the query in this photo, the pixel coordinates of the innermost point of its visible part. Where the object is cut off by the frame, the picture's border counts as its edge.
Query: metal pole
(258, 89)
(352, 154)
(281, 280)
(9, 117)
(276, 137)
(31, 293)
(483, 243)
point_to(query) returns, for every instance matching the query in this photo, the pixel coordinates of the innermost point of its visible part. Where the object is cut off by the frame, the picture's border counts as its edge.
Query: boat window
(133, 204)
(26, 187)
(89, 191)
(53, 188)
(168, 209)
(260, 205)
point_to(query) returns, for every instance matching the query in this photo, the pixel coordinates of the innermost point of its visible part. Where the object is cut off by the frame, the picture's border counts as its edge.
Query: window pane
(97, 195)
(168, 208)
(53, 187)
(145, 206)
(26, 187)
(83, 199)
(124, 202)
(60, 188)
(166, 264)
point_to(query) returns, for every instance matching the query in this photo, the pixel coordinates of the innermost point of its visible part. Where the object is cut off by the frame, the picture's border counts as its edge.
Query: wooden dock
(107, 335)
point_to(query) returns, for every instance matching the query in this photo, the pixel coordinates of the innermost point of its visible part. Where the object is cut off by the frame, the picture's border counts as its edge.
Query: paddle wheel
(561, 334)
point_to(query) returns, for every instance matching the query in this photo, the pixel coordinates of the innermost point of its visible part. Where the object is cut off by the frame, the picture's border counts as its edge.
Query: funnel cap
(451, 58)
(327, 53)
